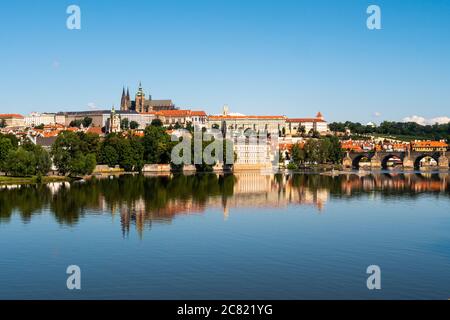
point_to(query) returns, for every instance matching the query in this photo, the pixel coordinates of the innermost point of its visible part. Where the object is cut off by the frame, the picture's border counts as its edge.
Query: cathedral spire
(123, 100)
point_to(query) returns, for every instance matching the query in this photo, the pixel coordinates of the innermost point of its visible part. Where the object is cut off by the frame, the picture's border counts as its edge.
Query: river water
(242, 236)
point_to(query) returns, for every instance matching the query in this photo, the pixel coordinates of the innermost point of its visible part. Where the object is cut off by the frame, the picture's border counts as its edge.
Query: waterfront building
(36, 119)
(252, 154)
(297, 126)
(12, 120)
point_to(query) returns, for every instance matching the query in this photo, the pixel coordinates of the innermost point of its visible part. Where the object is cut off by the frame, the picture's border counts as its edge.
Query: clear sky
(275, 57)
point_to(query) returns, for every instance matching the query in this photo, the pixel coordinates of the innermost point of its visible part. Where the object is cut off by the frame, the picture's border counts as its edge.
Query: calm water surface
(242, 236)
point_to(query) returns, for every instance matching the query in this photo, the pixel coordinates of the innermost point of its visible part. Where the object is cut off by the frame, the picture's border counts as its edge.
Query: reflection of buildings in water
(54, 187)
(251, 190)
(412, 182)
(254, 189)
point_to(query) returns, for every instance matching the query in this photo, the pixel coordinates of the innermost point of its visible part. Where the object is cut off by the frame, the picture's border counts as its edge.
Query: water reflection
(143, 200)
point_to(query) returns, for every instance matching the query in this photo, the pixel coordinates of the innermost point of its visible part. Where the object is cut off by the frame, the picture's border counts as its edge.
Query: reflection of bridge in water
(380, 159)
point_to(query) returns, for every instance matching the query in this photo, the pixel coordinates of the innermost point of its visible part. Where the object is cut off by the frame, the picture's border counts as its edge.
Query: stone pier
(443, 161)
(375, 162)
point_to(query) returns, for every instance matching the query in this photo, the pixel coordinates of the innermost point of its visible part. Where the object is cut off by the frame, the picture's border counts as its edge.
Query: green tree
(40, 127)
(110, 156)
(87, 121)
(20, 163)
(2, 123)
(5, 147)
(43, 160)
(156, 123)
(125, 124)
(298, 154)
(157, 145)
(75, 123)
(134, 125)
(70, 152)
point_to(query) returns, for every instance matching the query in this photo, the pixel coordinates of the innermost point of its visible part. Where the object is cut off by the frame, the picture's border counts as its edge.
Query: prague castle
(141, 104)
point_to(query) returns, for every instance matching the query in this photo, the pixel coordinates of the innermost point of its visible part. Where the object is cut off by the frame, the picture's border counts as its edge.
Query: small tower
(319, 115)
(225, 110)
(140, 99)
(114, 121)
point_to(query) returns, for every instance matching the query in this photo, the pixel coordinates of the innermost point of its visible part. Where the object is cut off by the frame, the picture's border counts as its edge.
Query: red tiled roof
(94, 130)
(198, 113)
(299, 120)
(179, 113)
(11, 115)
(246, 117)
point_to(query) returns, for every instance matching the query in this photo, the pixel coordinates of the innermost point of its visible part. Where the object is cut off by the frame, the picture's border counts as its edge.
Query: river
(242, 236)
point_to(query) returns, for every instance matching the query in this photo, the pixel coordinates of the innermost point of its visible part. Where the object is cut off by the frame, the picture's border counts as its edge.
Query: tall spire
(128, 93)
(123, 101)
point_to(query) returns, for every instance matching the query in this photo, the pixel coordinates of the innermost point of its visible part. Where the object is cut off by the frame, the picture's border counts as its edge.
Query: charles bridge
(380, 159)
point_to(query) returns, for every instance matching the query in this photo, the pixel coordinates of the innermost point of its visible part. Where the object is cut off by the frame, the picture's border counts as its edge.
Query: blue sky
(260, 57)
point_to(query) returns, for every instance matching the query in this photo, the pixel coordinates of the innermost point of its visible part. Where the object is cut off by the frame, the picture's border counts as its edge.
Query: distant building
(182, 117)
(238, 123)
(12, 120)
(114, 122)
(99, 117)
(307, 125)
(141, 104)
(36, 119)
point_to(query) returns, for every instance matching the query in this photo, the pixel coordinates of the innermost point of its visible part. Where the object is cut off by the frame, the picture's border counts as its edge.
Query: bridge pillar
(375, 162)
(408, 162)
(347, 162)
(443, 161)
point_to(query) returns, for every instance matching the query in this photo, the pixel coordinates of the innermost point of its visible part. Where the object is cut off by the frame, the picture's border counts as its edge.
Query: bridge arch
(419, 158)
(357, 159)
(385, 159)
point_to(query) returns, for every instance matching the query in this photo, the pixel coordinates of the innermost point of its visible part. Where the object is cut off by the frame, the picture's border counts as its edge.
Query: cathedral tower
(140, 99)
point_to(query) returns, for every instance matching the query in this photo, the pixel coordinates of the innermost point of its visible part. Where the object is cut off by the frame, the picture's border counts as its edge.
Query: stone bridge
(379, 159)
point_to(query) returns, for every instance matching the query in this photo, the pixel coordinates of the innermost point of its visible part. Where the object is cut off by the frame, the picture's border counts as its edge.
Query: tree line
(78, 153)
(27, 159)
(325, 150)
(433, 132)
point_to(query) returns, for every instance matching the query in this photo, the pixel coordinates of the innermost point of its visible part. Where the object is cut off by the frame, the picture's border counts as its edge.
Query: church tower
(140, 99)
(123, 101)
(114, 121)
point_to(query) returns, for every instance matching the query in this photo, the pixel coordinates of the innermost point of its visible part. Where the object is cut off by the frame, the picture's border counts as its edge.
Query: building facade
(238, 123)
(12, 120)
(299, 126)
(36, 119)
(182, 117)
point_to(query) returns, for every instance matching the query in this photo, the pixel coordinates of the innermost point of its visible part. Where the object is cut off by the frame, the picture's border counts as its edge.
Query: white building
(36, 119)
(297, 126)
(252, 153)
(239, 123)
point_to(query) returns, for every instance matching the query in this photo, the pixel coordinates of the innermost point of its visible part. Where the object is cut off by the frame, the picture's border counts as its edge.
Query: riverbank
(6, 180)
